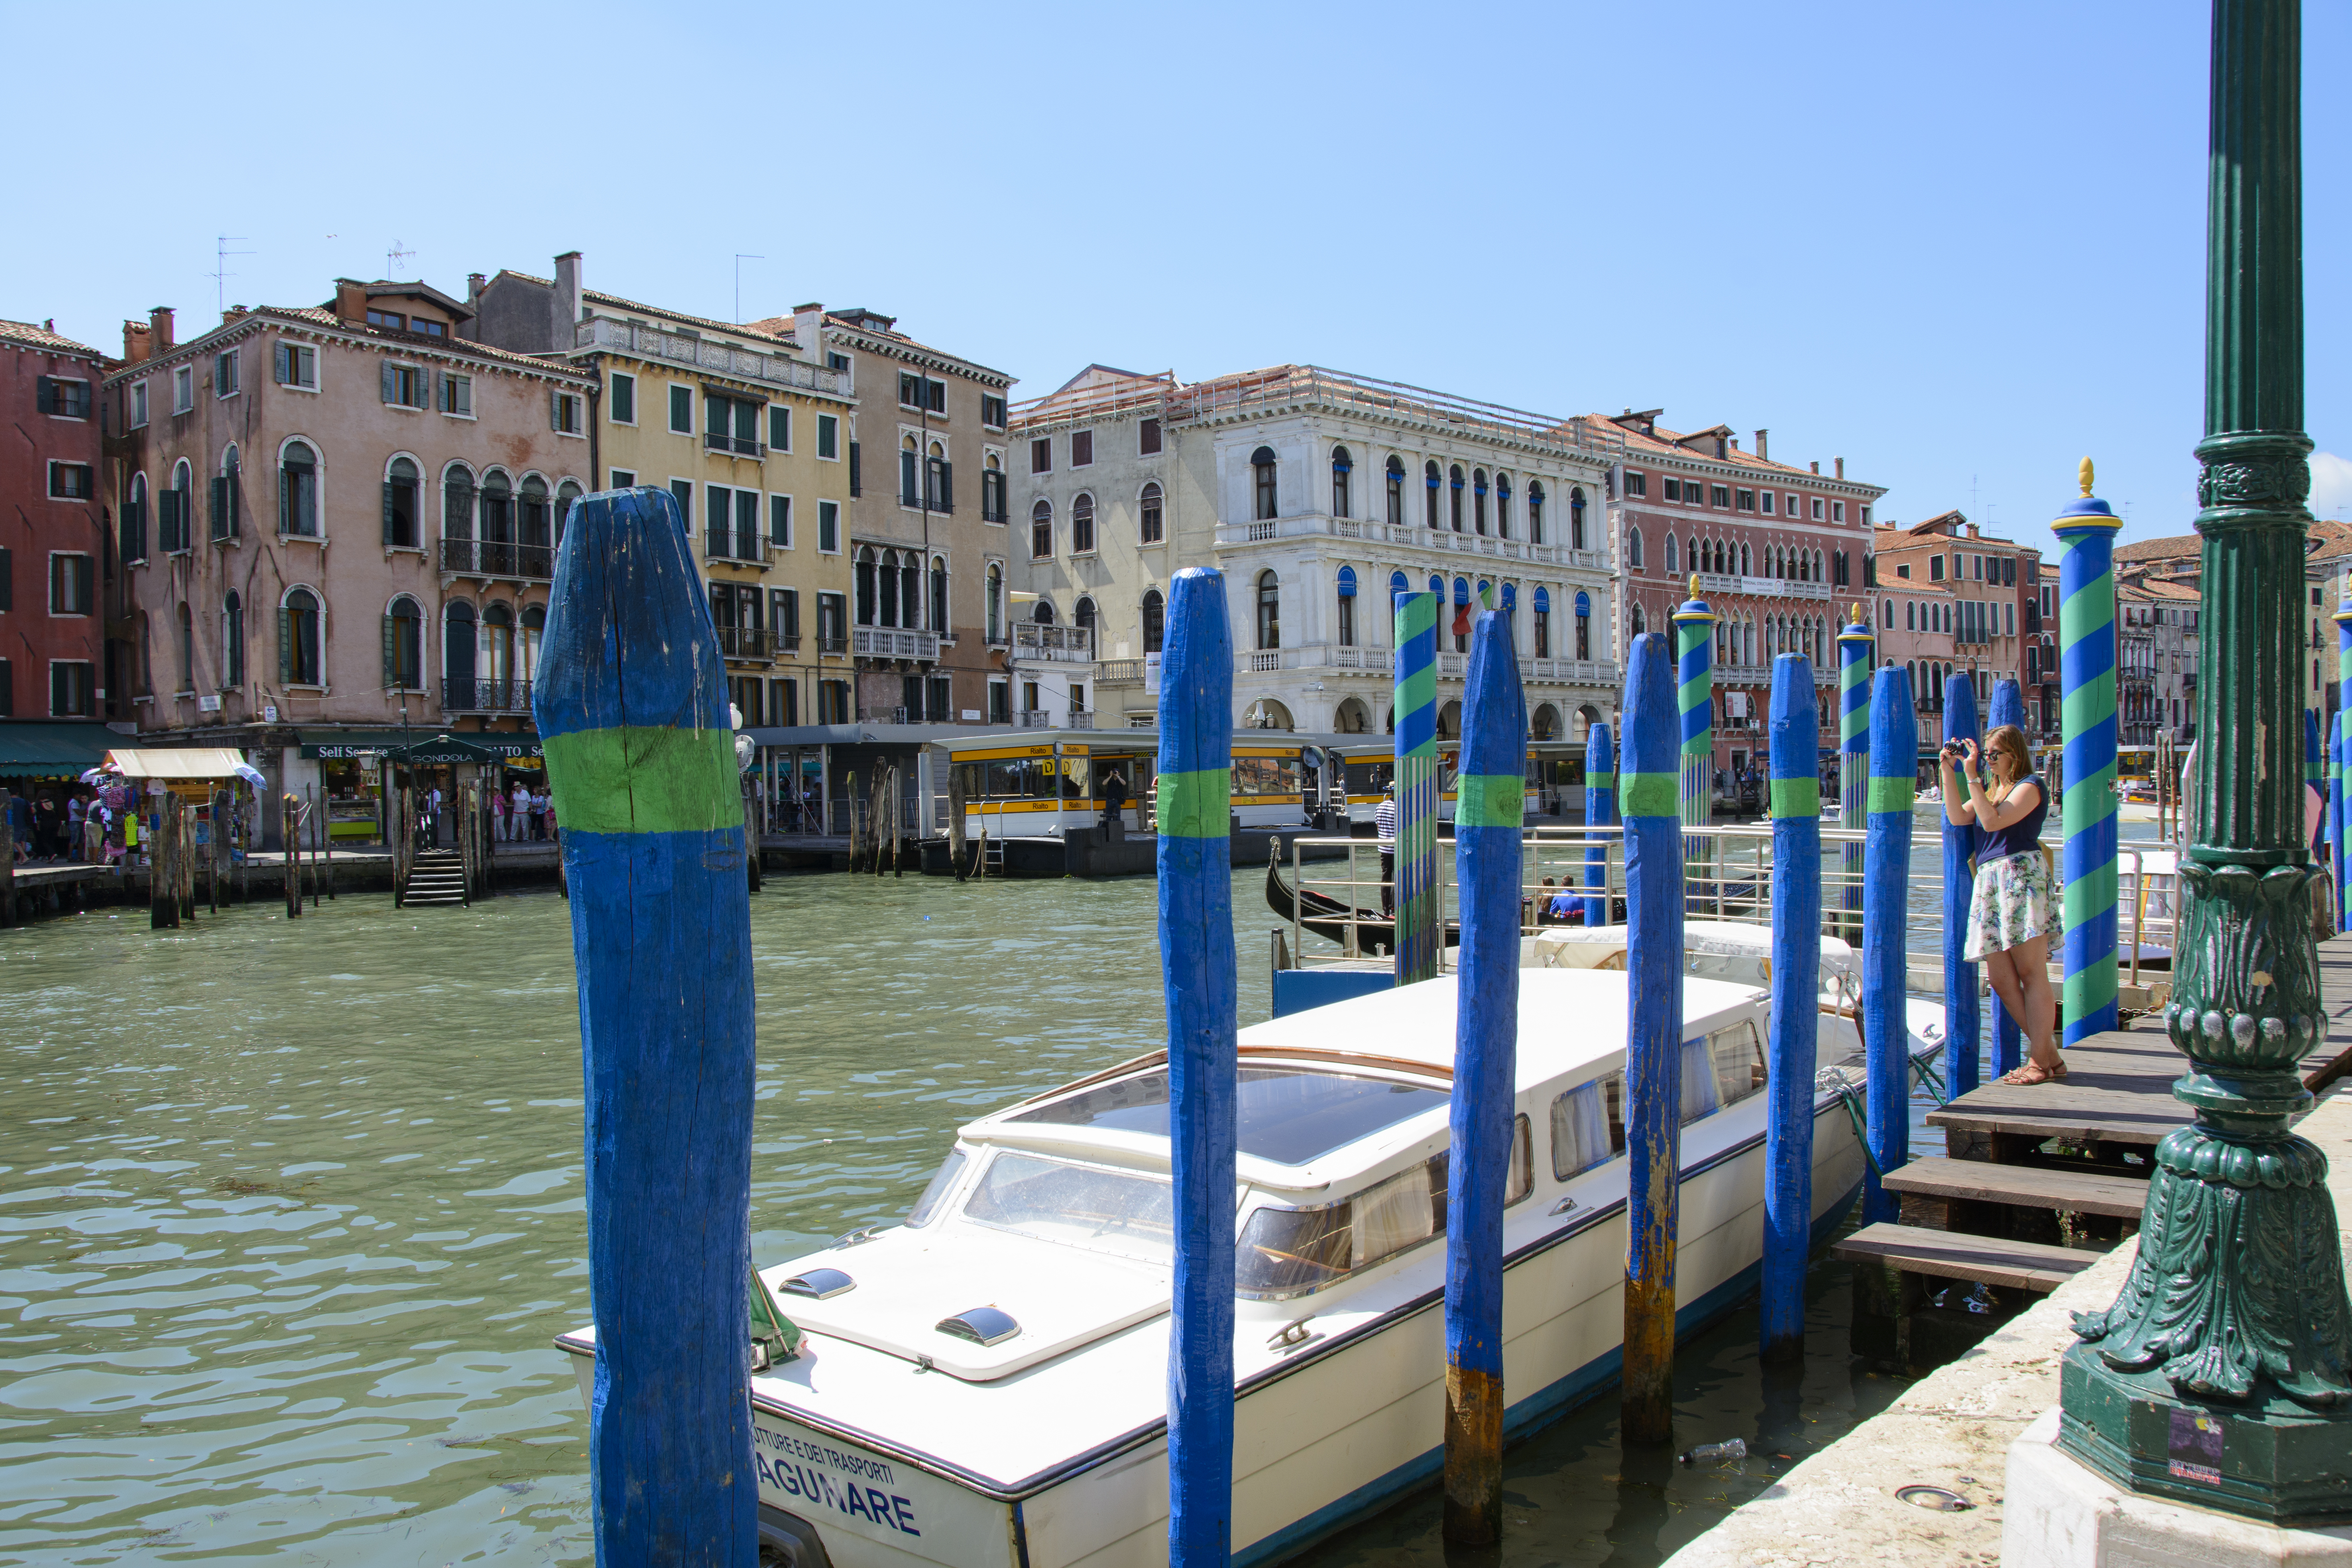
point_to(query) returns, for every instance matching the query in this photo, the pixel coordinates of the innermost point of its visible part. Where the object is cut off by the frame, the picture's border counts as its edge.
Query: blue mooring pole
(631, 712)
(1963, 1020)
(2315, 779)
(1196, 963)
(1489, 793)
(1600, 811)
(2008, 1040)
(1796, 807)
(1885, 949)
(1649, 786)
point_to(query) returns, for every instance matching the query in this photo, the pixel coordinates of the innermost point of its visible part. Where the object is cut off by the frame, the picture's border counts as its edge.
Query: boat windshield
(1105, 1211)
(1291, 1116)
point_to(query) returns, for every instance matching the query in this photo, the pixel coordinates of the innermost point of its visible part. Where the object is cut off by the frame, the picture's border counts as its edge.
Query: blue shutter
(1347, 582)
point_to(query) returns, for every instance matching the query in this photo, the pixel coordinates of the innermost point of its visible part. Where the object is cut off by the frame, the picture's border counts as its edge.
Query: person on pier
(2014, 908)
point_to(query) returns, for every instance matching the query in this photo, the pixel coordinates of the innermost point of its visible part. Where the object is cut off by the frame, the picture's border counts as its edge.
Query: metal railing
(749, 643)
(460, 695)
(1273, 530)
(1762, 587)
(497, 558)
(738, 446)
(1074, 644)
(1033, 719)
(703, 353)
(735, 544)
(890, 642)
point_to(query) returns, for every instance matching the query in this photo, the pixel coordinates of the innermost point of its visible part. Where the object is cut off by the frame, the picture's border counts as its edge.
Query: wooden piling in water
(1886, 948)
(1196, 962)
(7, 862)
(1649, 791)
(1600, 811)
(2008, 1042)
(289, 833)
(641, 761)
(1490, 796)
(1963, 1021)
(162, 876)
(1796, 810)
(955, 821)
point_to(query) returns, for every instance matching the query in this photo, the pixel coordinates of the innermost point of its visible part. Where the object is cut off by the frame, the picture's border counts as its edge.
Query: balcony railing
(1082, 719)
(1033, 719)
(1120, 672)
(1571, 672)
(1762, 587)
(738, 446)
(836, 646)
(890, 642)
(749, 643)
(497, 559)
(735, 544)
(1070, 644)
(459, 695)
(1269, 531)
(632, 337)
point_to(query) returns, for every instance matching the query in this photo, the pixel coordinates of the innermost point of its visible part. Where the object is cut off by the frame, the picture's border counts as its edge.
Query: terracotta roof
(1664, 442)
(2171, 547)
(312, 316)
(31, 336)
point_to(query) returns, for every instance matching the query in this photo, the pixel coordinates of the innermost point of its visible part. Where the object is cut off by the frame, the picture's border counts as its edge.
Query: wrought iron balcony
(751, 644)
(460, 695)
(497, 559)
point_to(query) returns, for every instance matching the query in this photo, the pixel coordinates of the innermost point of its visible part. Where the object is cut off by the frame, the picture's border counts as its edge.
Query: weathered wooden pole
(1963, 1018)
(2222, 1374)
(1886, 947)
(1648, 787)
(1695, 697)
(1600, 811)
(955, 821)
(1855, 648)
(162, 877)
(1795, 1030)
(633, 716)
(2008, 1042)
(1419, 941)
(1488, 835)
(289, 832)
(2086, 675)
(1196, 964)
(8, 862)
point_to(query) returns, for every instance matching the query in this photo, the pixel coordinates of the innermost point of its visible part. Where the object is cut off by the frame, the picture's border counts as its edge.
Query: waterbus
(1555, 779)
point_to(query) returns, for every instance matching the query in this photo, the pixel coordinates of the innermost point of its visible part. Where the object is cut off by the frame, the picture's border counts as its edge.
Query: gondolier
(1384, 827)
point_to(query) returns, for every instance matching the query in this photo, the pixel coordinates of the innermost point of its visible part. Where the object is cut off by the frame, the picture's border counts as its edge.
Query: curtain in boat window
(1393, 1215)
(1699, 1096)
(1580, 1131)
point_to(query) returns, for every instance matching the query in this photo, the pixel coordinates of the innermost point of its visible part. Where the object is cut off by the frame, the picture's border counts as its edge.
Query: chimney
(1841, 467)
(350, 301)
(475, 284)
(1763, 453)
(808, 330)
(1817, 465)
(563, 309)
(158, 328)
(137, 341)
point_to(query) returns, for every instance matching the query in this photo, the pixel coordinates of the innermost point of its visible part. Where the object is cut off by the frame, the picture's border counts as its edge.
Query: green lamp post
(2222, 1375)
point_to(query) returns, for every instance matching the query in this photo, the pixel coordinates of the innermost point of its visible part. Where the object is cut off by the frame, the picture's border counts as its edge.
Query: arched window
(1534, 511)
(534, 630)
(867, 593)
(403, 645)
(226, 496)
(939, 606)
(1347, 606)
(1342, 465)
(1503, 505)
(1478, 500)
(232, 640)
(1744, 562)
(1398, 584)
(456, 518)
(1396, 492)
(1262, 483)
(1673, 562)
(1583, 625)
(1269, 610)
(1461, 619)
(995, 603)
(400, 505)
(1434, 484)
(939, 480)
(535, 532)
(1083, 617)
(498, 649)
(458, 657)
(910, 592)
(1641, 622)
(1576, 518)
(497, 518)
(1633, 548)
(1148, 506)
(299, 661)
(1543, 623)
(569, 492)
(1044, 613)
(1155, 620)
(909, 465)
(1082, 525)
(1041, 531)
(1890, 614)
(298, 490)
(1454, 502)
(187, 641)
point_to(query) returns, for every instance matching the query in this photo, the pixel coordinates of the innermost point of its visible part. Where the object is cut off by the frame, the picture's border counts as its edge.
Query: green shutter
(282, 364)
(389, 530)
(284, 646)
(390, 653)
(946, 486)
(235, 496)
(906, 492)
(856, 487)
(390, 387)
(220, 507)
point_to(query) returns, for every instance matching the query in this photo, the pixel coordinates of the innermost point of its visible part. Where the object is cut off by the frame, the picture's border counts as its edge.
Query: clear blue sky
(1959, 246)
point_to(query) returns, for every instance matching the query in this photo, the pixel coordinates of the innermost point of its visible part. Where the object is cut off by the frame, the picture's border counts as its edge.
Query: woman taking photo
(2014, 909)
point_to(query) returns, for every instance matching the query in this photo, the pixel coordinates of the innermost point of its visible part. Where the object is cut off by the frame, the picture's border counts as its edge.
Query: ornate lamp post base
(2274, 1461)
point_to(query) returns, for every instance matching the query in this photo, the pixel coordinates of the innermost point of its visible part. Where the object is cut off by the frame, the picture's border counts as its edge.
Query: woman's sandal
(2031, 1072)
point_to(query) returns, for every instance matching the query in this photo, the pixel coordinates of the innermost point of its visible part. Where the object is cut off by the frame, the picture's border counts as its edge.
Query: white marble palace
(1319, 493)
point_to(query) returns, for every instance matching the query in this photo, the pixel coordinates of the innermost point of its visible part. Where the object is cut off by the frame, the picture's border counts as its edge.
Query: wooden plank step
(2024, 1187)
(2020, 1265)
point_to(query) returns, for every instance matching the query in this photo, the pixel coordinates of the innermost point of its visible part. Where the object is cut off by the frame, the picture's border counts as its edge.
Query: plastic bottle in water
(1716, 1453)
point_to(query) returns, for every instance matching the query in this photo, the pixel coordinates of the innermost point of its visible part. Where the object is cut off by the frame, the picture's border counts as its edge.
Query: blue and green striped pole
(641, 762)
(1886, 922)
(1196, 965)
(1600, 811)
(1856, 645)
(1489, 804)
(2008, 1040)
(2086, 677)
(1695, 697)
(1418, 938)
(1647, 788)
(1963, 1020)
(2315, 779)
(2340, 754)
(1795, 1028)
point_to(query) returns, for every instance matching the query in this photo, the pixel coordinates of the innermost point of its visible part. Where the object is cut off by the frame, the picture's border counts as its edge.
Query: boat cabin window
(1287, 1252)
(1721, 1069)
(1369, 775)
(1267, 776)
(926, 1206)
(1587, 1128)
(1084, 1205)
(1288, 1115)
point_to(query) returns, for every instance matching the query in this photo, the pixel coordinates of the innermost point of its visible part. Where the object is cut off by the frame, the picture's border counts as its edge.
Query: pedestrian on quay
(20, 825)
(1385, 820)
(93, 832)
(499, 826)
(2013, 908)
(519, 810)
(433, 815)
(74, 809)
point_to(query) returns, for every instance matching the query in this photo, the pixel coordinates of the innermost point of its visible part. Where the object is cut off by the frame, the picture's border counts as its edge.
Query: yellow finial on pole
(1694, 585)
(1857, 614)
(2085, 474)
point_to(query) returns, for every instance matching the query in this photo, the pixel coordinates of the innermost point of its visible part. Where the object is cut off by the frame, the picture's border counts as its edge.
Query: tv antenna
(742, 257)
(395, 258)
(220, 275)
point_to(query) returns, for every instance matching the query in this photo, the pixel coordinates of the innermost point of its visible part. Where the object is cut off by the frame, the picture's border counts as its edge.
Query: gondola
(1328, 917)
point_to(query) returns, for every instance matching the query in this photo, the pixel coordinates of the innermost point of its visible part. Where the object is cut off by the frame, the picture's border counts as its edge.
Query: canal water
(290, 1210)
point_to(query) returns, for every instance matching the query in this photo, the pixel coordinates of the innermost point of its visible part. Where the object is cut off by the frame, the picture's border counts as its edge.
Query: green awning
(443, 748)
(54, 751)
(345, 744)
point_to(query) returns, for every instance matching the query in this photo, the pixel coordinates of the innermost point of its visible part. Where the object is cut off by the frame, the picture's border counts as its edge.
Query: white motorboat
(985, 1383)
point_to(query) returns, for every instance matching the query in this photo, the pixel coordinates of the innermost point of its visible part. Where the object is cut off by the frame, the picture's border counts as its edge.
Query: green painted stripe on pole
(2090, 988)
(2087, 610)
(1795, 797)
(1695, 693)
(1489, 800)
(1196, 805)
(644, 779)
(2088, 800)
(1892, 795)
(2088, 703)
(1648, 795)
(1418, 615)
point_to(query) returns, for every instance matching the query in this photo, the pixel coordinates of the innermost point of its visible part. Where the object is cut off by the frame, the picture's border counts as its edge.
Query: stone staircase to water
(439, 876)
